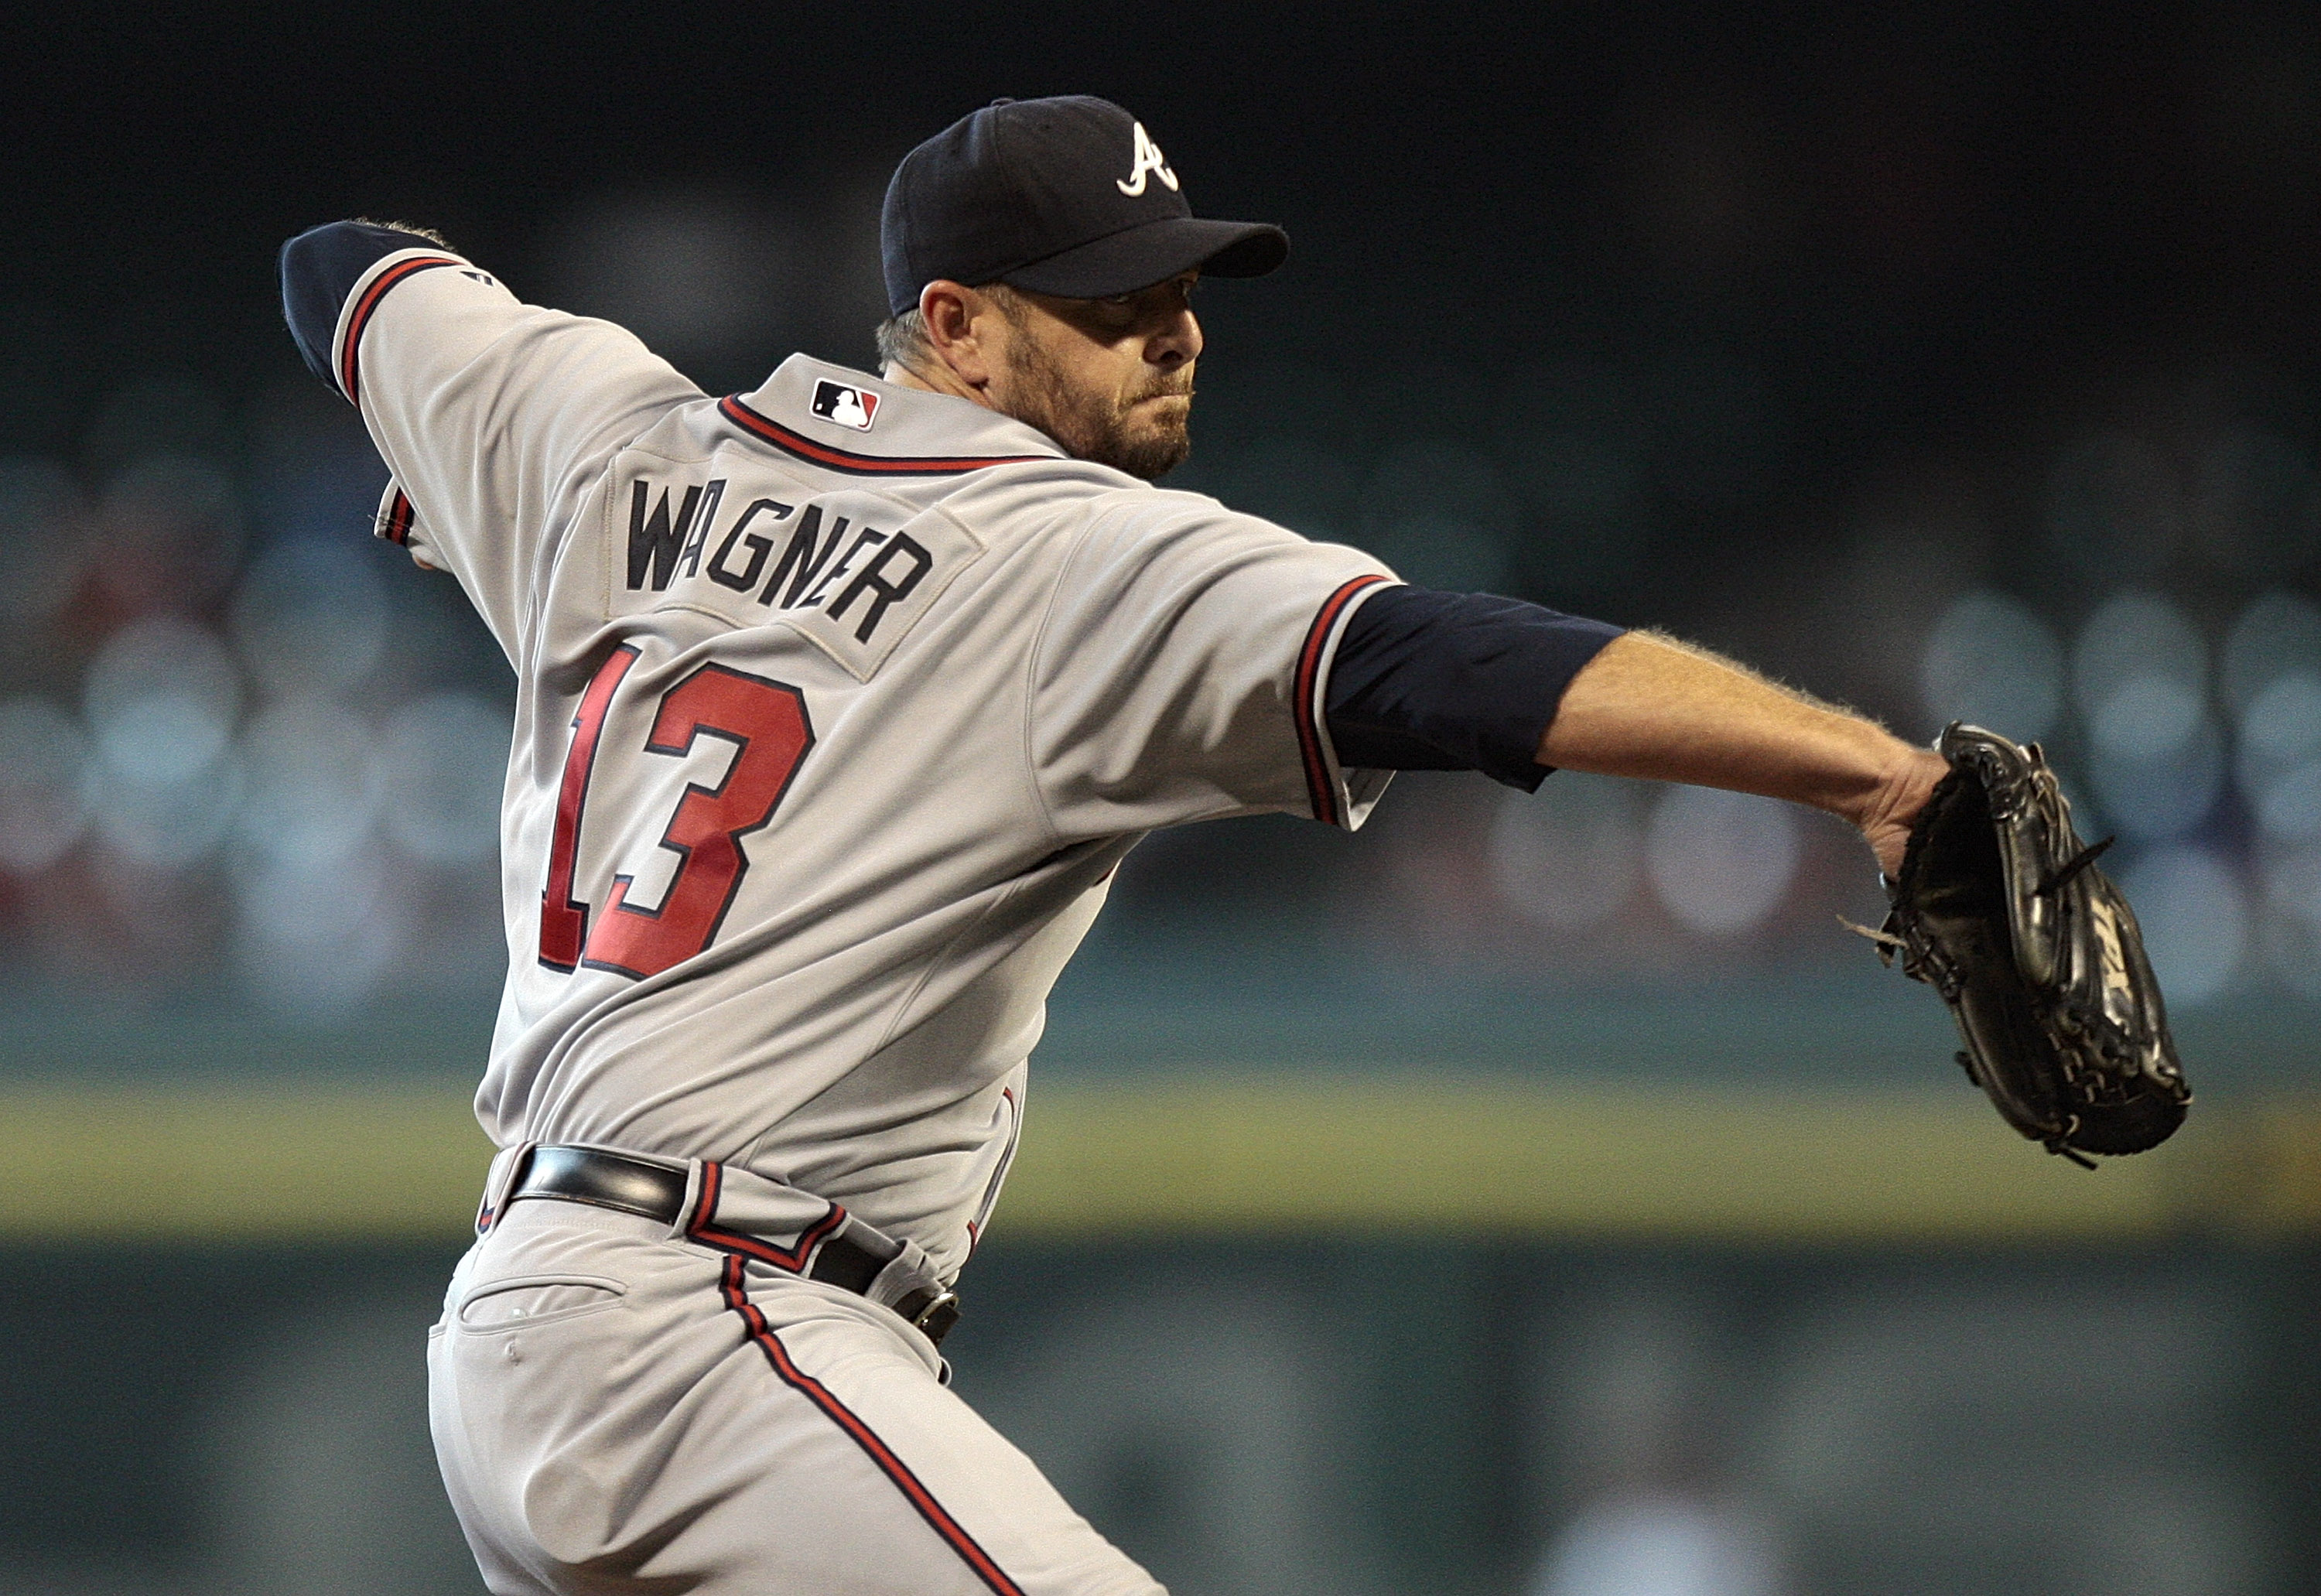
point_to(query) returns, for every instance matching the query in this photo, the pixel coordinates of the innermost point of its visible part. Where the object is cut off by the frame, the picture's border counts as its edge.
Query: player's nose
(1178, 343)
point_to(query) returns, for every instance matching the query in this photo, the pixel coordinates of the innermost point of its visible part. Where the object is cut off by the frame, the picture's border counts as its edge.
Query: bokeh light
(2272, 678)
(309, 800)
(2292, 878)
(2289, 806)
(2171, 794)
(1721, 860)
(317, 937)
(172, 825)
(2140, 679)
(311, 615)
(2195, 917)
(437, 773)
(43, 787)
(162, 698)
(169, 529)
(2279, 633)
(1990, 663)
(1569, 856)
(2139, 643)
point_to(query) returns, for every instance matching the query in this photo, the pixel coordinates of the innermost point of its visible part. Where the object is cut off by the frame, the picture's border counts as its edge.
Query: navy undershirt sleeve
(320, 268)
(1424, 680)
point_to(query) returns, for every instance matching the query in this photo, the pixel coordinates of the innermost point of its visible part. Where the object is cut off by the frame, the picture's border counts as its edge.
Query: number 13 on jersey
(766, 721)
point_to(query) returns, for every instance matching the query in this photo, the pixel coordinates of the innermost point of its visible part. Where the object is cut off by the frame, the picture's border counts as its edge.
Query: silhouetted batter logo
(848, 406)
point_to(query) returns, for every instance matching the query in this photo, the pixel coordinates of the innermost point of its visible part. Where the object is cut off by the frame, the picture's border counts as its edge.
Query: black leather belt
(655, 1192)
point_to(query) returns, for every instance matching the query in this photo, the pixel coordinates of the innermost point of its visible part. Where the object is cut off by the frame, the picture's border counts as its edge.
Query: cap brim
(1138, 256)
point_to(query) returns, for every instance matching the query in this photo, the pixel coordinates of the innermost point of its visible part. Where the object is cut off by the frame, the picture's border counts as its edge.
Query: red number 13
(766, 721)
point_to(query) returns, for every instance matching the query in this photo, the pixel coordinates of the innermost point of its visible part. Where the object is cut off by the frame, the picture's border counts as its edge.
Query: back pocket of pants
(536, 1299)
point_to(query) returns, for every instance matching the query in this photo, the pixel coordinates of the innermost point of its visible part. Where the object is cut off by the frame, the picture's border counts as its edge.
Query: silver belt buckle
(936, 1319)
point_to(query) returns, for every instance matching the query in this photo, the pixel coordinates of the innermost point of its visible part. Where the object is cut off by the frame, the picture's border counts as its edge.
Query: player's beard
(1107, 429)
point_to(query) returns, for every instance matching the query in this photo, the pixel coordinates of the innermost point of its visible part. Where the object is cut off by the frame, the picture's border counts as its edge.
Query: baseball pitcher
(839, 703)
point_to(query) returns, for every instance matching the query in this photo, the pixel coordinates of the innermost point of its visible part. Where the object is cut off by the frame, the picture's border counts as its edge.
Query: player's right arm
(491, 414)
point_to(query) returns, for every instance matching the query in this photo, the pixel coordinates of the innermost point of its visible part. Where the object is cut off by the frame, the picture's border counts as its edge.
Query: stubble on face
(1126, 433)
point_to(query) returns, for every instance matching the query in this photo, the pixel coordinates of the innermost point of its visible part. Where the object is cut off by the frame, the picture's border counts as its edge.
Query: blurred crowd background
(1949, 362)
(1949, 371)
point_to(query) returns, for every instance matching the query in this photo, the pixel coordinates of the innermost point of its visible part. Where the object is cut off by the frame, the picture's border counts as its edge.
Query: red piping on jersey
(1320, 790)
(704, 1209)
(731, 1284)
(349, 353)
(846, 460)
(397, 529)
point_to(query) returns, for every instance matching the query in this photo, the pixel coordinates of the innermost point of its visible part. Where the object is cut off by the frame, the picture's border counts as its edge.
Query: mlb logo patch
(848, 406)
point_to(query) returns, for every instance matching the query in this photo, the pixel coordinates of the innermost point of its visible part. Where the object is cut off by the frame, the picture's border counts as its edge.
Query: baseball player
(839, 702)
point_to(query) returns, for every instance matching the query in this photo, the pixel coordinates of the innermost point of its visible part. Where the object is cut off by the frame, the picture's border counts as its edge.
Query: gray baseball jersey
(838, 703)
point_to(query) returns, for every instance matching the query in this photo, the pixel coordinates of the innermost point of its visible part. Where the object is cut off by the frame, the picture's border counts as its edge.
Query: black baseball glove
(2001, 909)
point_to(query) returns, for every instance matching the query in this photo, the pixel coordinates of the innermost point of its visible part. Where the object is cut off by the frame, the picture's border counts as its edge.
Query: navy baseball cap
(1066, 196)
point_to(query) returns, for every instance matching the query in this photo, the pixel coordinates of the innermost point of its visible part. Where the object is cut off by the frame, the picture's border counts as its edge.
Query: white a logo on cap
(1147, 159)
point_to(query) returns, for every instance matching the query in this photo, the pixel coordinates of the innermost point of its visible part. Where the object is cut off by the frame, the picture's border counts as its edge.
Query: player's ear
(958, 321)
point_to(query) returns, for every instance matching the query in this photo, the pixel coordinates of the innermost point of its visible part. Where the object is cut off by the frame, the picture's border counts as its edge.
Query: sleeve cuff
(321, 270)
(363, 303)
(397, 523)
(1334, 795)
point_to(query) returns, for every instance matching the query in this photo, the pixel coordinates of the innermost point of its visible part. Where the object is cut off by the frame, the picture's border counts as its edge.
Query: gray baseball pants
(619, 1409)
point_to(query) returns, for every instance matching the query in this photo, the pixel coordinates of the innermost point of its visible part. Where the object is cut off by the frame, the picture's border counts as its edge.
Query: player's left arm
(1651, 707)
(1430, 681)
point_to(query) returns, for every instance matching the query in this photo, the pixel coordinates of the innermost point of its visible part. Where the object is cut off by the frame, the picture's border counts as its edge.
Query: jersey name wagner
(850, 571)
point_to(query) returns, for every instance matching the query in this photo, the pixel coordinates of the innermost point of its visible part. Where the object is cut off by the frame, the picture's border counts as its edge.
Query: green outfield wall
(1237, 1153)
